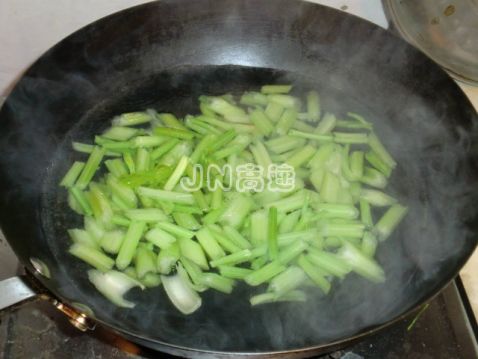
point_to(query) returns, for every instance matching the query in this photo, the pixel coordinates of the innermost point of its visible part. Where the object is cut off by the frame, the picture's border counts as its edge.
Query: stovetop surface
(443, 330)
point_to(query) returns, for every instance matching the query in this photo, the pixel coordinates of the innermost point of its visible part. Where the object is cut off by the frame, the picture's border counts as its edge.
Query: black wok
(163, 55)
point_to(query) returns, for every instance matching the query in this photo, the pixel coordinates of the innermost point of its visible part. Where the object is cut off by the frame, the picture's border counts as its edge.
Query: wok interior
(412, 258)
(158, 55)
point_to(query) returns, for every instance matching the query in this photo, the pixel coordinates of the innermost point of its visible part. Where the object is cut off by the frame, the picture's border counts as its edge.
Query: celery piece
(286, 239)
(374, 178)
(272, 234)
(321, 156)
(193, 251)
(145, 262)
(229, 111)
(356, 164)
(329, 210)
(180, 292)
(100, 204)
(129, 162)
(234, 272)
(224, 139)
(369, 244)
(261, 156)
(186, 220)
(151, 280)
(82, 200)
(163, 149)
(210, 244)
(113, 285)
(203, 147)
(92, 256)
(148, 215)
(289, 253)
(350, 138)
(125, 193)
(94, 228)
(116, 167)
(177, 174)
(187, 209)
(302, 156)
(142, 160)
(217, 282)
(326, 125)
(276, 89)
(223, 240)
(313, 106)
(160, 238)
(365, 213)
(259, 227)
(292, 296)
(311, 136)
(132, 119)
(289, 222)
(253, 99)
(329, 191)
(264, 274)
(130, 243)
(361, 264)
(329, 262)
(262, 122)
(173, 132)
(83, 237)
(147, 141)
(72, 174)
(381, 151)
(288, 280)
(120, 221)
(290, 203)
(286, 121)
(194, 272)
(236, 211)
(378, 164)
(213, 216)
(274, 111)
(175, 230)
(342, 230)
(314, 273)
(287, 101)
(235, 258)
(168, 196)
(89, 170)
(117, 133)
(111, 241)
(236, 237)
(283, 144)
(171, 121)
(377, 198)
(167, 258)
(389, 221)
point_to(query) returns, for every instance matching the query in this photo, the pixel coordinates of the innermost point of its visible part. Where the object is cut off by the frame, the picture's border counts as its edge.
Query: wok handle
(15, 290)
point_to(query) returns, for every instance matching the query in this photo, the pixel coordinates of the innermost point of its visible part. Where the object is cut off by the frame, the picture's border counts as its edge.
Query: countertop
(28, 28)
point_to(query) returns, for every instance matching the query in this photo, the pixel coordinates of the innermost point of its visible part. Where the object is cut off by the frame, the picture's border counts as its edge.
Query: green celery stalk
(272, 234)
(89, 170)
(315, 274)
(71, 176)
(264, 274)
(389, 221)
(132, 119)
(129, 245)
(217, 282)
(92, 256)
(193, 251)
(276, 89)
